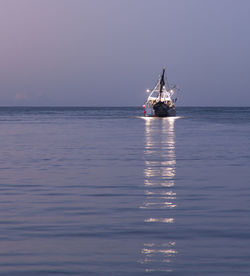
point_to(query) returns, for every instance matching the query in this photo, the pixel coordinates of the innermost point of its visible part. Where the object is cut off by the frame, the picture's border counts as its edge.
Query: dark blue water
(104, 191)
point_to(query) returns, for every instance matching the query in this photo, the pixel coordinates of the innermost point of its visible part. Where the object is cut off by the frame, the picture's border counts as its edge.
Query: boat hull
(163, 110)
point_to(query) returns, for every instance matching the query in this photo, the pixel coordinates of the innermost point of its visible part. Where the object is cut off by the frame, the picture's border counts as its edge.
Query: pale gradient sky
(107, 52)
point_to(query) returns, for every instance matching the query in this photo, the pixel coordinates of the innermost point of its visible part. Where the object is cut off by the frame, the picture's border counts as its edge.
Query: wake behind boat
(161, 101)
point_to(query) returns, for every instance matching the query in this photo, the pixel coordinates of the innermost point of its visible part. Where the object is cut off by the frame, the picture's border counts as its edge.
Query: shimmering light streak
(160, 204)
(159, 176)
(148, 182)
(168, 193)
(164, 220)
(163, 251)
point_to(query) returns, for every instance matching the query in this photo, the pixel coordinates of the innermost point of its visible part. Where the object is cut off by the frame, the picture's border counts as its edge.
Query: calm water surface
(104, 191)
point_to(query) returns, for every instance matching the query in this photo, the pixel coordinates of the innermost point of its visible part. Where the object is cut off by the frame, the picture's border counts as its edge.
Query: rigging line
(168, 86)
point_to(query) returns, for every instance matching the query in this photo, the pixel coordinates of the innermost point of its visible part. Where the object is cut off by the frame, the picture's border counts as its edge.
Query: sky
(108, 52)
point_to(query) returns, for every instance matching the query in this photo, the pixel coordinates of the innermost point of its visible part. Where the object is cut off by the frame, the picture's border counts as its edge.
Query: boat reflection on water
(158, 253)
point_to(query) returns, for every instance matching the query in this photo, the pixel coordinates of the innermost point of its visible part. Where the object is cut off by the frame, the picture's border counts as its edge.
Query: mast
(162, 82)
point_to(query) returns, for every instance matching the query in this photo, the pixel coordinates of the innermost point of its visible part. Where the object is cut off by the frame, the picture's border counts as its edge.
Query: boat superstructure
(161, 101)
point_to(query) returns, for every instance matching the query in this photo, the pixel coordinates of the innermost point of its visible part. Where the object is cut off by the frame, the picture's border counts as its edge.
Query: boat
(161, 100)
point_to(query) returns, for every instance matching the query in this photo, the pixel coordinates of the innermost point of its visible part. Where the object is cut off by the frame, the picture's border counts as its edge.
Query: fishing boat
(161, 100)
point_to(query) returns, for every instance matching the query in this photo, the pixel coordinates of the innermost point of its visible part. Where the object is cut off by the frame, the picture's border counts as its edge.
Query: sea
(106, 191)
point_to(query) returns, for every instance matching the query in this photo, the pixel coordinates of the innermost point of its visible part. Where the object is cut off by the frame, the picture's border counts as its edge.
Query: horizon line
(116, 106)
